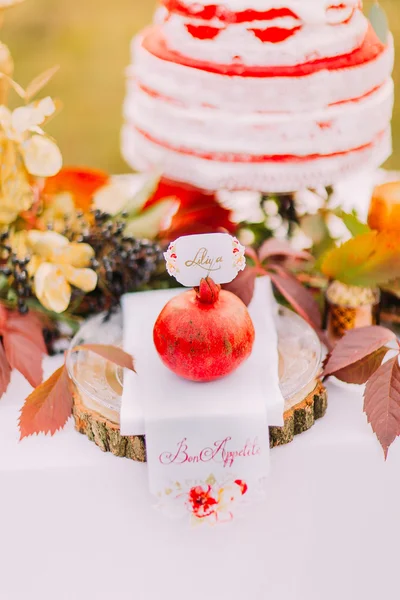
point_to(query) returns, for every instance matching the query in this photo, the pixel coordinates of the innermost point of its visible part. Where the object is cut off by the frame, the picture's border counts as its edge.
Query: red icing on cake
(203, 32)
(274, 35)
(222, 13)
(370, 50)
(251, 158)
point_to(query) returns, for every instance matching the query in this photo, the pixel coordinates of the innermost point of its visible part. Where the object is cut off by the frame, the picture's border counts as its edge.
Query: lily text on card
(204, 261)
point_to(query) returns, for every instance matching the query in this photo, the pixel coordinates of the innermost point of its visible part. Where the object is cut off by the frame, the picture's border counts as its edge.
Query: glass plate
(100, 383)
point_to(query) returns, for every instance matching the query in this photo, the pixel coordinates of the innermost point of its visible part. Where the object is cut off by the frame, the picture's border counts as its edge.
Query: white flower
(245, 206)
(42, 156)
(56, 264)
(27, 118)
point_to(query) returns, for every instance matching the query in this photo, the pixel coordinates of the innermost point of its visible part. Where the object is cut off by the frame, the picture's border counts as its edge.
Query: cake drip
(273, 95)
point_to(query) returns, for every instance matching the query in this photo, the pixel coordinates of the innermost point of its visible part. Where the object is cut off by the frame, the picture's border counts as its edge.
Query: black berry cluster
(123, 263)
(16, 270)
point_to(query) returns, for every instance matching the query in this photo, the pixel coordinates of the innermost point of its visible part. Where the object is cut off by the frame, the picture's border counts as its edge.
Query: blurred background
(90, 40)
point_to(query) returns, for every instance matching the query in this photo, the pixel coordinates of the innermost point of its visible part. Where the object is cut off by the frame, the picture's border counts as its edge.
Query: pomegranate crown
(208, 291)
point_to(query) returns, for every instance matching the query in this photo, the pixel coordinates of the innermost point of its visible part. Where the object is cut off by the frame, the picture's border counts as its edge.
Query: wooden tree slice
(300, 417)
(106, 435)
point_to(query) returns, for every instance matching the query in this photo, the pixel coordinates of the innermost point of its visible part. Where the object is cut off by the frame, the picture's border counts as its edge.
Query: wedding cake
(267, 95)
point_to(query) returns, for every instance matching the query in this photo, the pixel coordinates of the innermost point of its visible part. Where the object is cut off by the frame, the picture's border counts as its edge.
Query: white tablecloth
(77, 524)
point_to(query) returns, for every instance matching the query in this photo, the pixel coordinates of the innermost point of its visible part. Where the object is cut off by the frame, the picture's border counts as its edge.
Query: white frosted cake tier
(204, 130)
(278, 36)
(265, 175)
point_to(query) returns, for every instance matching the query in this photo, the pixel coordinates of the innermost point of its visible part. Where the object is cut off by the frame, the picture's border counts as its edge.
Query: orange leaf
(382, 403)
(112, 353)
(49, 406)
(367, 260)
(81, 183)
(5, 371)
(384, 211)
(24, 355)
(29, 326)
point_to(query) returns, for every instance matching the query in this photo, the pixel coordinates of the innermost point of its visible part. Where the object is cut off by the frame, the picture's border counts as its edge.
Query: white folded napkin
(156, 392)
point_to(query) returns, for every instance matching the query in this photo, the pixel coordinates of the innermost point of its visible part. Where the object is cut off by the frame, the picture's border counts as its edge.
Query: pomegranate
(205, 333)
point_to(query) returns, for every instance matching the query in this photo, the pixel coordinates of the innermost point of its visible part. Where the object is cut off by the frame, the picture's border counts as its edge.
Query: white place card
(194, 257)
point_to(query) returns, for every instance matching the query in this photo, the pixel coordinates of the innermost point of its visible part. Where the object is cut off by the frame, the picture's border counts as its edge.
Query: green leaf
(3, 283)
(149, 223)
(379, 22)
(11, 295)
(135, 204)
(316, 228)
(367, 260)
(352, 222)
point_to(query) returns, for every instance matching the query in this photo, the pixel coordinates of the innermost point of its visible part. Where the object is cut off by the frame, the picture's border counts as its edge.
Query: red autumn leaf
(29, 326)
(382, 403)
(5, 372)
(274, 247)
(24, 356)
(360, 371)
(356, 345)
(82, 183)
(297, 296)
(243, 285)
(49, 406)
(112, 353)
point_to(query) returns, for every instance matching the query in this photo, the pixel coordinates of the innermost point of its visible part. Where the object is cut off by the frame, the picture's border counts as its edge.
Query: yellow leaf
(40, 82)
(367, 260)
(153, 220)
(15, 86)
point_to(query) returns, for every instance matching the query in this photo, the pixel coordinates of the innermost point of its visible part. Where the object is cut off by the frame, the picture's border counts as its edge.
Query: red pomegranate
(205, 333)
